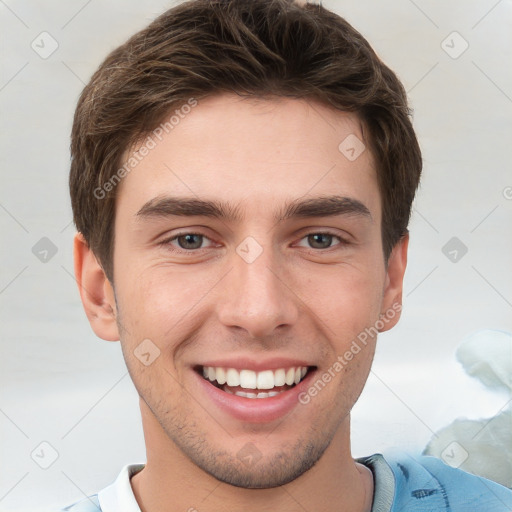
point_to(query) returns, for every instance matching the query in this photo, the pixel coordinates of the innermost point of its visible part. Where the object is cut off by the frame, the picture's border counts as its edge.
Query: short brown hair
(249, 47)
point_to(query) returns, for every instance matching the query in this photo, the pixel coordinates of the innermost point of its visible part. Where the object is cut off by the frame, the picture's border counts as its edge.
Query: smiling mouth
(252, 384)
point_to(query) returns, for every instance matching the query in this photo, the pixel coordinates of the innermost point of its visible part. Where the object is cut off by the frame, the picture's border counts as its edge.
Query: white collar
(119, 497)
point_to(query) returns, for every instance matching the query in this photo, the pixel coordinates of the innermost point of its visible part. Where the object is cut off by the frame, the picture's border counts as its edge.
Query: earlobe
(95, 290)
(392, 296)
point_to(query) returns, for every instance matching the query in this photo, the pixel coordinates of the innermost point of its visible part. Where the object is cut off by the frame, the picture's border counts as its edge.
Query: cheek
(158, 302)
(155, 308)
(346, 298)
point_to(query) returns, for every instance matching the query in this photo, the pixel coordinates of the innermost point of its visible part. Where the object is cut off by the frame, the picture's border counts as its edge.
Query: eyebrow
(325, 206)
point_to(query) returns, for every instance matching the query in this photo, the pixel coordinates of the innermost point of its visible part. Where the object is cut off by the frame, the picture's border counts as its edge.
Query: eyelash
(168, 242)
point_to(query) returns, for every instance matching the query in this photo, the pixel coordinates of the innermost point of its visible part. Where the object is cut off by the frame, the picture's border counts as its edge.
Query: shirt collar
(119, 496)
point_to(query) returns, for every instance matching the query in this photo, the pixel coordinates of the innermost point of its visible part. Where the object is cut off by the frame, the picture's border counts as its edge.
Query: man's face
(277, 282)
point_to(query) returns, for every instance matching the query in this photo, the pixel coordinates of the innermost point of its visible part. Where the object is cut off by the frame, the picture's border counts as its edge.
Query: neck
(172, 482)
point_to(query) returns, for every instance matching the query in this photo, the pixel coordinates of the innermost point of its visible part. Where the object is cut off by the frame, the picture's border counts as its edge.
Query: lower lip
(256, 410)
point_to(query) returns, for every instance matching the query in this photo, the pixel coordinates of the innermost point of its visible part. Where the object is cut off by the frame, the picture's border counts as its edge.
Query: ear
(393, 287)
(96, 292)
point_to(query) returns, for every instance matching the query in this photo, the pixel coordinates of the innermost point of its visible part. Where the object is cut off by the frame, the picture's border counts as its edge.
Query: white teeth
(220, 374)
(266, 379)
(280, 377)
(232, 377)
(249, 379)
(255, 395)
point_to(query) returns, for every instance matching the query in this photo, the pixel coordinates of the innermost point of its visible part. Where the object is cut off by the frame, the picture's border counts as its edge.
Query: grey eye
(320, 240)
(190, 241)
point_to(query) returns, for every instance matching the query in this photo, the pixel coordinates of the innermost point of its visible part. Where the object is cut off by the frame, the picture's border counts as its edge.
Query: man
(242, 178)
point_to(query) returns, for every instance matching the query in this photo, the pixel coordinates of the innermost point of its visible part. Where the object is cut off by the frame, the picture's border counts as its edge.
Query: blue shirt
(402, 483)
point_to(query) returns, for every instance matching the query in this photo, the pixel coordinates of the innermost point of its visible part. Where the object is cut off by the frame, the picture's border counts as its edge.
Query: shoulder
(427, 481)
(89, 504)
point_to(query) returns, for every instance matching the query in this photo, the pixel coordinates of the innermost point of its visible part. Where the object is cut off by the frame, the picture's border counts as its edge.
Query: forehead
(252, 153)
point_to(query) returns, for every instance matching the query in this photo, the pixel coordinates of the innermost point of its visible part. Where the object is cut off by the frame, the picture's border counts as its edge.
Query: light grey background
(62, 385)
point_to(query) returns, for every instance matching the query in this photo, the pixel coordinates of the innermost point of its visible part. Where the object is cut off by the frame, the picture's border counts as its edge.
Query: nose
(257, 298)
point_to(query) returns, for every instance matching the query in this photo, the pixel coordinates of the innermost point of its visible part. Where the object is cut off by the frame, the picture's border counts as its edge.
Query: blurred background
(69, 416)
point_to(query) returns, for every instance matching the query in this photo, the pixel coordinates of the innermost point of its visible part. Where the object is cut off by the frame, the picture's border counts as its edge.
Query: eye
(187, 241)
(321, 240)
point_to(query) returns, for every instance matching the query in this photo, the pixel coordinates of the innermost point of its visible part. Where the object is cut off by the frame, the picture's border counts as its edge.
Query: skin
(297, 299)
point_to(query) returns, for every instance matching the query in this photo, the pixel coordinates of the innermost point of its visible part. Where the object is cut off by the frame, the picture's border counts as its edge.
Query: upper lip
(257, 365)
